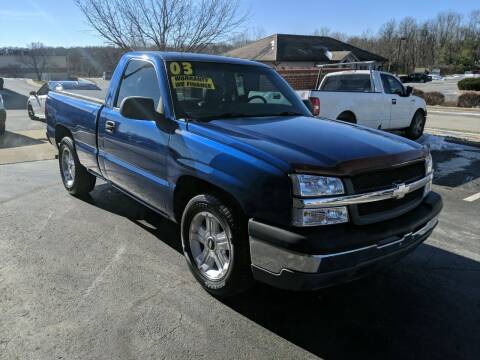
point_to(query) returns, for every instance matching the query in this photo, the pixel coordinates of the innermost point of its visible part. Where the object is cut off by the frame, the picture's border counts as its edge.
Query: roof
(339, 55)
(285, 47)
(184, 56)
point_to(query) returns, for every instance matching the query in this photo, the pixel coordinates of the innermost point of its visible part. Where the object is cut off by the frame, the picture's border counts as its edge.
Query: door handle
(109, 126)
(394, 101)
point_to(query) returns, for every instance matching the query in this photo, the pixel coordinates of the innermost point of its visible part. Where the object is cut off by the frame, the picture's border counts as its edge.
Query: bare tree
(35, 57)
(183, 25)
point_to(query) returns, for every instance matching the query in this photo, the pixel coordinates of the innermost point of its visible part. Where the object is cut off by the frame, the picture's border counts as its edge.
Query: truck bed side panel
(79, 116)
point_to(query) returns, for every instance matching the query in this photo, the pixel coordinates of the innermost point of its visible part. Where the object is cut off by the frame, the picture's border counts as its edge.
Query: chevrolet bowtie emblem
(400, 191)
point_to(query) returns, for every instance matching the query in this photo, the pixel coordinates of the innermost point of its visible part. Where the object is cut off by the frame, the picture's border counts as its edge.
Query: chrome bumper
(275, 260)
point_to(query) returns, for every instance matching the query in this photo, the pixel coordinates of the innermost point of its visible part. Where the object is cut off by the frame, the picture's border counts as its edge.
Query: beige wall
(52, 61)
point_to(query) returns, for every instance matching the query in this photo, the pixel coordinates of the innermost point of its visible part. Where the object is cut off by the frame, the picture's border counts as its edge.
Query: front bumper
(279, 257)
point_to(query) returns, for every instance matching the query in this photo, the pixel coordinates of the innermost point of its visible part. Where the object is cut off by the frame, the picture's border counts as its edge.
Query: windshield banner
(191, 81)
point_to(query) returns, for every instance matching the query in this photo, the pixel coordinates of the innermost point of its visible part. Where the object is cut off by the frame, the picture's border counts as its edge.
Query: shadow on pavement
(14, 100)
(427, 306)
(12, 140)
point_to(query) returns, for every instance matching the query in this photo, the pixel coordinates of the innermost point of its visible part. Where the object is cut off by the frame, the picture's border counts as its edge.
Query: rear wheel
(76, 179)
(215, 244)
(415, 130)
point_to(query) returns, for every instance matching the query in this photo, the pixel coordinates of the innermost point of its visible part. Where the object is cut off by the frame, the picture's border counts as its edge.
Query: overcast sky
(60, 23)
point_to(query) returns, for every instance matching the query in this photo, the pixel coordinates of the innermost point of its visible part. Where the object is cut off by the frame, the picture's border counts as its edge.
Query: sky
(60, 23)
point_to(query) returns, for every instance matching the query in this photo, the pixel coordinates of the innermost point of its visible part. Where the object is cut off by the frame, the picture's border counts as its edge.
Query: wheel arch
(422, 110)
(347, 115)
(61, 132)
(188, 186)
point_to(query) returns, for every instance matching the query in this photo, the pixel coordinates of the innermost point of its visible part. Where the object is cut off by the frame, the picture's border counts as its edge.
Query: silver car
(37, 99)
(3, 116)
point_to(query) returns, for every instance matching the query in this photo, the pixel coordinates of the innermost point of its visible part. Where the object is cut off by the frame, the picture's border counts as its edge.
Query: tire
(76, 179)
(347, 117)
(415, 130)
(217, 254)
(31, 113)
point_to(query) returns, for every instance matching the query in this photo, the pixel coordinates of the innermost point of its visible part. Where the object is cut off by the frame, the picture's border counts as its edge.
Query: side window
(139, 79)
(391, 85)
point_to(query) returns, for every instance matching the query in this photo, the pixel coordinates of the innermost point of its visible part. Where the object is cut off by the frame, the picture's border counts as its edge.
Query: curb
(453, 109)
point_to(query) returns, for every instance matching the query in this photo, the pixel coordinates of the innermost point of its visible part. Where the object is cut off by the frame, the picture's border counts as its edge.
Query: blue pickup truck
(262, 190)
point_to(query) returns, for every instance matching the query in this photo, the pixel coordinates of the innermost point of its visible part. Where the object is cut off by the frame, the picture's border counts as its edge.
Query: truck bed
(77, 111)
(96, 96)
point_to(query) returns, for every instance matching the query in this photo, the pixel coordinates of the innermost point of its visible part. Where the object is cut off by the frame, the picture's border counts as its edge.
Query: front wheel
(215, 245)
(76, 179)
(415, 130)
(31, 113)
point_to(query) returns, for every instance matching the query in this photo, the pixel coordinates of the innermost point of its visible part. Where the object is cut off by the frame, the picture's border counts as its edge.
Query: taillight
(315, 105)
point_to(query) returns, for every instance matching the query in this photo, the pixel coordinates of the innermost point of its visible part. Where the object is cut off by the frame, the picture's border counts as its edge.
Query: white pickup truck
(371, 98)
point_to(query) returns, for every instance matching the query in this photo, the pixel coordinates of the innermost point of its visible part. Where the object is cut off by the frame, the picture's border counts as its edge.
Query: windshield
(206, 91)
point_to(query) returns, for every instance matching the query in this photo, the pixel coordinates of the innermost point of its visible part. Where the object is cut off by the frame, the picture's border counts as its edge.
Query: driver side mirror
(408, 91)
(139, 108)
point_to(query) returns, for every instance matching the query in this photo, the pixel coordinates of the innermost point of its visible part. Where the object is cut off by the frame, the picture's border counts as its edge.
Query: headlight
(311, 185)
(322, 216)
(428, 164)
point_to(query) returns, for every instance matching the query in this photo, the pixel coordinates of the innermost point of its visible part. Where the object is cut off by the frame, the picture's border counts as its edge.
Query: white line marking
(472, 197)
(100, 277)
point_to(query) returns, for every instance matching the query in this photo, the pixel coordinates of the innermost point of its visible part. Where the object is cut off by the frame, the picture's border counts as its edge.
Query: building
(302, 51)
(296, 57)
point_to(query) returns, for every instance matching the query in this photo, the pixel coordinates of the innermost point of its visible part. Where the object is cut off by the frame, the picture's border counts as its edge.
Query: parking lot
(448, 86)
(104, 277)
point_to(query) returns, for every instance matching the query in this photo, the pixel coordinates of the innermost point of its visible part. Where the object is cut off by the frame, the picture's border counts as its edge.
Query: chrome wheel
(210, 245)
(68, 167)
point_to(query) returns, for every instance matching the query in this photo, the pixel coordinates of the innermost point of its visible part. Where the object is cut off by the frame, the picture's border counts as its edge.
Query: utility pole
(398, 51)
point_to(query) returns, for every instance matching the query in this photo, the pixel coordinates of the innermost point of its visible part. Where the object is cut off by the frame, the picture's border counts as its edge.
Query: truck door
(399, 103)
(134, 151)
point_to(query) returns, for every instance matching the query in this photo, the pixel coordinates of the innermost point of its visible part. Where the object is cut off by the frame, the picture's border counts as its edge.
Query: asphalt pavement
(24, 139)
(457, 120)
(104, 278)
(447, 87)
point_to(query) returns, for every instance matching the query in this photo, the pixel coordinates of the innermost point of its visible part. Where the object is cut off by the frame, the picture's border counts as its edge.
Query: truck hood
(308, 144)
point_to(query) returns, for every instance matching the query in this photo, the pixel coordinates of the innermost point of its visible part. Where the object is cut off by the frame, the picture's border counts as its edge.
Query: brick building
(296, 57)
